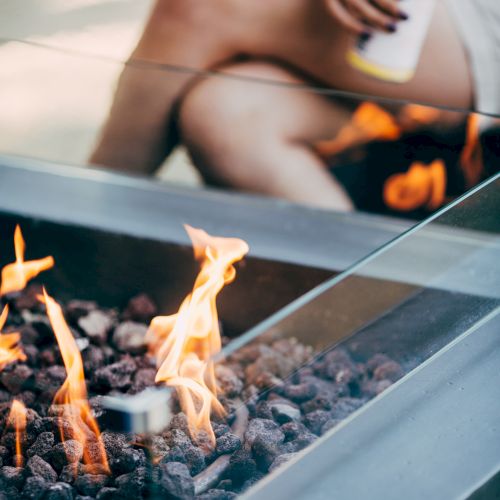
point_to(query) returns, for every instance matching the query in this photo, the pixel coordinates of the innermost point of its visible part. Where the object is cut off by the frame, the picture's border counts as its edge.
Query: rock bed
(288, 409)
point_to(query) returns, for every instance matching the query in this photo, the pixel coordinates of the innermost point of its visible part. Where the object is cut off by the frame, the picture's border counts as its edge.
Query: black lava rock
(37, 466)
(34, 488)
(174, 480)
(90, 484)
(59, 491)
(227, 443)
(42, 446)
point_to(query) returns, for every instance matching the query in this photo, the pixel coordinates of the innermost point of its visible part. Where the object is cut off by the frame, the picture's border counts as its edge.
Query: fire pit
(299, 378)
(55, 446)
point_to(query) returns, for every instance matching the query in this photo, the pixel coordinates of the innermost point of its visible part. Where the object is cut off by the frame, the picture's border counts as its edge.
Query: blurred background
(54, 102)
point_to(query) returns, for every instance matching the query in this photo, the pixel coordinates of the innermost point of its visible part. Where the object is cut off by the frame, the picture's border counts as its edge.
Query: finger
(345, 18)
(372, 15)
(391, 7)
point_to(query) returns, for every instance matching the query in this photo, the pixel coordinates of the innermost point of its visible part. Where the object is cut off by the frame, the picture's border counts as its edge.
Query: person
(242, 131)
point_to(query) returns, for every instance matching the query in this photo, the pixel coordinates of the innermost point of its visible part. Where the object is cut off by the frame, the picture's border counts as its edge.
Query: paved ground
(53, 102)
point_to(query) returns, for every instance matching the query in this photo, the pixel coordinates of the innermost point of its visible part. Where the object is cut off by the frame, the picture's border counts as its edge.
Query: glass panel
(380, 155)
(407, 300)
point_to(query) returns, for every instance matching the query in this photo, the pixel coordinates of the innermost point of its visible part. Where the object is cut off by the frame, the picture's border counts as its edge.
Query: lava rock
(282, 459)
(42, 446)
(174, 480)
(19, 378)
(96, 325)
(107, 494)
(115, 376)
(59, 491)
(93, 358)
(345, 406)
(227, 443)
(268, 429)
(29, 335)
(143, 378)
(90, 484)
(315, 420)
(375, 361)
(34, 488)
(300, 392)
(283, 412)
(70, 472)
(195, 459)
(330, 425)
(321, 401)
(70, 451)
(140, 308)
(133, 484)
(229, 384)
(390, 370)
(127, 461)
(75, 309)
(37, 466)
(220, 429)
(241, 466)
(217, 495)
(130, 337)
(12, 476)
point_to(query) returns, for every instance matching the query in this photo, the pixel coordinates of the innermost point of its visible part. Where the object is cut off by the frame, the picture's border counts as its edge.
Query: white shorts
(478, 23)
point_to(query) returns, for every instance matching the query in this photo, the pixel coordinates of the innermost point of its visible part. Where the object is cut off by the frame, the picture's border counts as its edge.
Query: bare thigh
(308, 39)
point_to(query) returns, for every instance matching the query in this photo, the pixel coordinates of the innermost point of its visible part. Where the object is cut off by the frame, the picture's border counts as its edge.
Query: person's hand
(362, 16)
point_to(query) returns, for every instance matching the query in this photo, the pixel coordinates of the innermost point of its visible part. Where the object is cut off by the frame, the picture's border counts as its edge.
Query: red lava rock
(375, 361)
(143, 378)
(140, 308)
(115, 376)
(18, 378)
(390, 370)
(28, 299)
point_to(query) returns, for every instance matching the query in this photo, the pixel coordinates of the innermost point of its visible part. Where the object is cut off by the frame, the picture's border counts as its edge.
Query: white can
(394, 56)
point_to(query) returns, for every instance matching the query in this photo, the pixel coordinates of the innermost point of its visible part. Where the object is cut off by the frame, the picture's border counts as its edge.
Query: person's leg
(180, 37)
(300, 33)
(258, 137)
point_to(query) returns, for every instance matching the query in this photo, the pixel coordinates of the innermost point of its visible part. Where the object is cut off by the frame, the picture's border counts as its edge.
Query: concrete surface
(54, 100)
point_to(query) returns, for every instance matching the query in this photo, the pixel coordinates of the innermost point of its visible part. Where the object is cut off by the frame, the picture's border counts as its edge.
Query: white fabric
(478, 22)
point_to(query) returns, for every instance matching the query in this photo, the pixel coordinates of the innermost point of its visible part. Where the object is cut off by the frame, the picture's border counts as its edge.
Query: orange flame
(185, 342)
(422, 115)
(17, 420)
(9, 350)
(73, 393)
(471, 158)
(422, 186)
(369, 122)
(15, 276)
